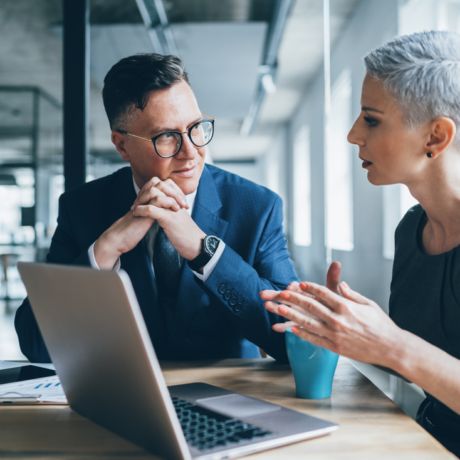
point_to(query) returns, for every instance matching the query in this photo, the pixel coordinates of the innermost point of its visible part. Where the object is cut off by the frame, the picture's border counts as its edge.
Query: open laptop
(98, 341)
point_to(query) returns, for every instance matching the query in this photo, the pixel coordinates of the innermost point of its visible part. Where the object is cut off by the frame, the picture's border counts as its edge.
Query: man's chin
(187, 186)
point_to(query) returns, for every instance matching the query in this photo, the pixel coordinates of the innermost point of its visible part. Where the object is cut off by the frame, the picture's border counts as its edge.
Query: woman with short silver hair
(408, 132)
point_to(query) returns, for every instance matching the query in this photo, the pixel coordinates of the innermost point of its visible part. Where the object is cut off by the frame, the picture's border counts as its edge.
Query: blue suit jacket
(222, 318)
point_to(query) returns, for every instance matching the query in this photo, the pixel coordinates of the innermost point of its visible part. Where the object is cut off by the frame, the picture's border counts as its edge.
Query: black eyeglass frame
(189, 131)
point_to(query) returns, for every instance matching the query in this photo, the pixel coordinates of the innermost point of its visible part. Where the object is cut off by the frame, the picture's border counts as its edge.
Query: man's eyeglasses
(169, 143)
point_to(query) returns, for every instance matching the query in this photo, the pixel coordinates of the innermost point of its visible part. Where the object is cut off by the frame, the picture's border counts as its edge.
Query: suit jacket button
(232, 302)
(227, 295)
(222, 288)
(237, 308)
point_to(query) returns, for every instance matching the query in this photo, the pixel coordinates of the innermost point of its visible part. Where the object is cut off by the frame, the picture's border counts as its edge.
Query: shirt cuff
(92, 260)
(211, 265)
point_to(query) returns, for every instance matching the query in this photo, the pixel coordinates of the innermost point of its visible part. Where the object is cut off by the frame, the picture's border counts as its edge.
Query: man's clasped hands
(157, 200)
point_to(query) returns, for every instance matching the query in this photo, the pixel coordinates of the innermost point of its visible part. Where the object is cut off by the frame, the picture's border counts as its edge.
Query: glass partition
(30, 158)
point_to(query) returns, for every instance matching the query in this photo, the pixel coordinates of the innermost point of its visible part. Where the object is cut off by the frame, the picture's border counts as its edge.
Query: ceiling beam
(267, 70)
(156, 21)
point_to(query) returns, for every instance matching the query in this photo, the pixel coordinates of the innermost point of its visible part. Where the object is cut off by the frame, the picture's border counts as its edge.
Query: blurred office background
(261, 69)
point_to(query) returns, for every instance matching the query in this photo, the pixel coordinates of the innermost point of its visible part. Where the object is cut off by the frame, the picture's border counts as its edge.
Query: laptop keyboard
(205, 429)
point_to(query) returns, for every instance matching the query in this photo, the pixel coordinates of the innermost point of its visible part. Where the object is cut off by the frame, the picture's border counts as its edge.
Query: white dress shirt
(150, 240)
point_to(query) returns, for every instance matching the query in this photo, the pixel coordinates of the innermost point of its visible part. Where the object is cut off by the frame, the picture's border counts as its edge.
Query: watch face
(211, 244)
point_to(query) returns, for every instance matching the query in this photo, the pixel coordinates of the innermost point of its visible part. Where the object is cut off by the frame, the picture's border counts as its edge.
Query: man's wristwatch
(209, 246)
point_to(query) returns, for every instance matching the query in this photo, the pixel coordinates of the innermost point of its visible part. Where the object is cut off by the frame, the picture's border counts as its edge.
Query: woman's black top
(425, 300)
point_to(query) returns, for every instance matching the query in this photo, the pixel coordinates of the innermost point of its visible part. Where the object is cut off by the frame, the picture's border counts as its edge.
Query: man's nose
(187, 150)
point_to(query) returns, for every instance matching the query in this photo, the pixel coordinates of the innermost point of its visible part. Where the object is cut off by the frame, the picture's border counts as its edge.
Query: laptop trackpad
(236, 405)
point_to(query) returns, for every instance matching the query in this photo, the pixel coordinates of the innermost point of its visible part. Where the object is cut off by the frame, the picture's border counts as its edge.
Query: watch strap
(203, 258)
(199, 261)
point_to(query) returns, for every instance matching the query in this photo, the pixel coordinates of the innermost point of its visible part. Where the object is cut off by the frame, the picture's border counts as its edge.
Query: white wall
(274, 169)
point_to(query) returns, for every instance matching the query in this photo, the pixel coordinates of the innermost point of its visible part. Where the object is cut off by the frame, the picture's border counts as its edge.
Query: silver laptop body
(98, 341)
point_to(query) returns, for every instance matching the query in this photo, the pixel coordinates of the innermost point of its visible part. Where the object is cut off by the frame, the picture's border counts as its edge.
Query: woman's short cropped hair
(422, 72)
(129, 82)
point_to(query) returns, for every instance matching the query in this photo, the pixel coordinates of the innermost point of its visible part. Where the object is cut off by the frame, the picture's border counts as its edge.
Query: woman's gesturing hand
(332, 283)
(352, 325)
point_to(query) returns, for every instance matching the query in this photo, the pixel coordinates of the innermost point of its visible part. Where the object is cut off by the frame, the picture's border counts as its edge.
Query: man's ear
(119, 141)
(443, 131)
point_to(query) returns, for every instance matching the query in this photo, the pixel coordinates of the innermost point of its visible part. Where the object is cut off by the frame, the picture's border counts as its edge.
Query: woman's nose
(355, 136)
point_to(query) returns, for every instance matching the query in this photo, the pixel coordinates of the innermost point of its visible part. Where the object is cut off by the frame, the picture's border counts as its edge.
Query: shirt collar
(190, 198)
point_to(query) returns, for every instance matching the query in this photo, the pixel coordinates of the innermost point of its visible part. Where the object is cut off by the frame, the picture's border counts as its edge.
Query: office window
(302, 188)
(16, 196)
(339, 191)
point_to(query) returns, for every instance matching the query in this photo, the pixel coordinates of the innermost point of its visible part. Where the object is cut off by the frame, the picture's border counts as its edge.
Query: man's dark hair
(130, 81)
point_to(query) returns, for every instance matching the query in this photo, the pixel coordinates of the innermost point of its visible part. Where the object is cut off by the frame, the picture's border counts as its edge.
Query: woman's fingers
(268, 294)
(282, 327)
(324, 295)
(296, 301)
(273, 308)
(333, 277)
(313, 338)
(308, 304)
(307, 322)
(349, 294)
(294, 286)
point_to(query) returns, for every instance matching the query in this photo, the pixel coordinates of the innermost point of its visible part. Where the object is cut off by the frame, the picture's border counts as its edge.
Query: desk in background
(371, 426)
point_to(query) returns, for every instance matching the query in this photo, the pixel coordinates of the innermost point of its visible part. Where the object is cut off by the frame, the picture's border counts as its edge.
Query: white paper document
(47, 389)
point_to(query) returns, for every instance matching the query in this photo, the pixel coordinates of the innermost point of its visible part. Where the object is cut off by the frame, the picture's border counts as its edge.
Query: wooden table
(371, 426)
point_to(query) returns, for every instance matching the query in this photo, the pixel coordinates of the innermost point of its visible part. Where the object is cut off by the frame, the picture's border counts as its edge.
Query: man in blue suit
(198, 243)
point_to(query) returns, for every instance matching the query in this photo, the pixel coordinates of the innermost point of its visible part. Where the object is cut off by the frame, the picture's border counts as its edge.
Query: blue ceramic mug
(313, 367)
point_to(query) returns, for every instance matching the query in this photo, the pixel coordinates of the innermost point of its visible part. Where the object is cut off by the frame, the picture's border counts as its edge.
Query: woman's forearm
(432, 369)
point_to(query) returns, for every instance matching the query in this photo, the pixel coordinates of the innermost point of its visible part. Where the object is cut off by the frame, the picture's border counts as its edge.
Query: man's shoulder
(98, 188)
(230, 184)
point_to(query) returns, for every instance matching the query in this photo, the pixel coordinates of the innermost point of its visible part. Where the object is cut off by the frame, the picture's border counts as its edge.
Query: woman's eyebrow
(370, 109)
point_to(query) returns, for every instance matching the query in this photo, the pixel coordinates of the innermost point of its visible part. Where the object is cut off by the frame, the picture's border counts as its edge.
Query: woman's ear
(119, 141)
(443, 132)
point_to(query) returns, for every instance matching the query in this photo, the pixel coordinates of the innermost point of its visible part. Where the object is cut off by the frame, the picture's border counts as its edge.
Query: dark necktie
(166, 263)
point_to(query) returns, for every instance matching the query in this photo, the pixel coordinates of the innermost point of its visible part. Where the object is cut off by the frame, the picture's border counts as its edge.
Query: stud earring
(429, 154)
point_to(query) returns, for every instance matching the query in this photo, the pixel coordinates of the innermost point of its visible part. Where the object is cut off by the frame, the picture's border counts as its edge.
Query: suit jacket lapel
(205, 214)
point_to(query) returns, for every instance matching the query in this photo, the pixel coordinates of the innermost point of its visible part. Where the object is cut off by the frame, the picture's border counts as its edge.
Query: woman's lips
(366, 164)
(186, 173)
